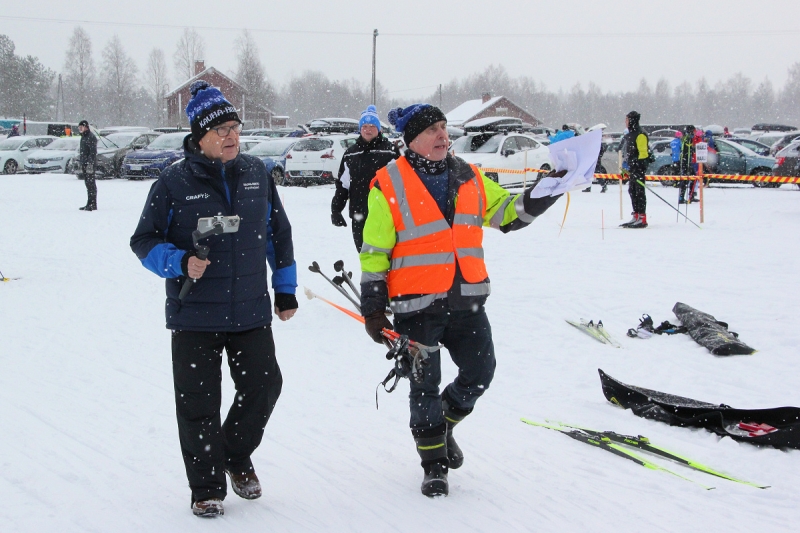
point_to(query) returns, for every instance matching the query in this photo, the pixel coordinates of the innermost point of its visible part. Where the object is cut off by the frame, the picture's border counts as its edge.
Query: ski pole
(666, 202)
(315, 268)
(338, 266)
(202, 254)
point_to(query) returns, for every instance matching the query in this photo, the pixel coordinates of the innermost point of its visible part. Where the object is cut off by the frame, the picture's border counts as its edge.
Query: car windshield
(312, 145)
(122, 139)
(11, 144)
(479, 144)
(170, 141)
(70, 143)
(272, 148)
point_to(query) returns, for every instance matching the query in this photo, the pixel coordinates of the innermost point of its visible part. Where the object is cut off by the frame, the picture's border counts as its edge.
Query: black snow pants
(209, 446)
(87, 171)
(357, 226)
(467, 335)
(637, 191)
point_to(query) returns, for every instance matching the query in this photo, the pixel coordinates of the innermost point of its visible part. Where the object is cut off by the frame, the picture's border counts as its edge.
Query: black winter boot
(432, 449)
(452, 417)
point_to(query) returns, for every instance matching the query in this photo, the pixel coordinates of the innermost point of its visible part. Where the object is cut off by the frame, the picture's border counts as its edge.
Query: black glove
(374, 323)
(285, 302)
(338, 220)
(536, 206)
(185, 261)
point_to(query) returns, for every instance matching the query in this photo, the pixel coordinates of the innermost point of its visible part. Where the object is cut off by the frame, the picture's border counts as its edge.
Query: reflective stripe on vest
(427, 248)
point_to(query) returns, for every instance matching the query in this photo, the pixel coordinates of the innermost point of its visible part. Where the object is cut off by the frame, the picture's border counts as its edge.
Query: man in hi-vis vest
(423, 254)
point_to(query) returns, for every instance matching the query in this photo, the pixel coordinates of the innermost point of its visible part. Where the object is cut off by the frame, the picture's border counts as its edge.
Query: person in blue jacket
(228, 305)
(675, 147)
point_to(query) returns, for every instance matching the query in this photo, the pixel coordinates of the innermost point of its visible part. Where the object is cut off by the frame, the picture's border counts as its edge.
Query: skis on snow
(621, 445)
(595, 331)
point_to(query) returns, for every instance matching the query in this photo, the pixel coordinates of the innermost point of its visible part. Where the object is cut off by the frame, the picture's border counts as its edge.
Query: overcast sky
(423, 43)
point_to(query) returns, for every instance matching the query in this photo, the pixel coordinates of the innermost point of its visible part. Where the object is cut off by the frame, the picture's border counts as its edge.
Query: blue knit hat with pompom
(207, 109)
(370, 116)
(414, 119)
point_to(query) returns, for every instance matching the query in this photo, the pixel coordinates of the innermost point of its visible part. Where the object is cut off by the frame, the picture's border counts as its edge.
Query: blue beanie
(208, 108)
(415, 119)
(370, 116)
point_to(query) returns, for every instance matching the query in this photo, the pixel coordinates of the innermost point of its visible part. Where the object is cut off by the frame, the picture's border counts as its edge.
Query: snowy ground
(88, 440)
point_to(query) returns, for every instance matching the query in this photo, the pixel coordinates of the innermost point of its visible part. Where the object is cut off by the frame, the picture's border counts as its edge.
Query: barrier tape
(728, 177)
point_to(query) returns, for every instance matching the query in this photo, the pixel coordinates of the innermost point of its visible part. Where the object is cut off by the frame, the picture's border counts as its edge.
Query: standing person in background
(228, 306)
(371, 152)
(638, 156)
(675, 147)
(598, 167)
(687, 161)
(87, 157)
(423, 255)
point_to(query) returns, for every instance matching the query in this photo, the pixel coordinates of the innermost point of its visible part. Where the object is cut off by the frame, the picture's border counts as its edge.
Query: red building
(488, 106)
(252, 114)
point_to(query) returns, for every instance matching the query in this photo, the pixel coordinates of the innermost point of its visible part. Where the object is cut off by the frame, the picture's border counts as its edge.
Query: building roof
(469, 109)
(193, 79)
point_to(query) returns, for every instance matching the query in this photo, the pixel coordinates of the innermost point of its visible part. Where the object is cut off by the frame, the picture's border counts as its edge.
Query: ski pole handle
(202, 254)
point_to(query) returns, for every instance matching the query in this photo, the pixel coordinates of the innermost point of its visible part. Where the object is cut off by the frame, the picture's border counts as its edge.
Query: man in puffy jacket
(87, 156)
(423, 255)
(360, 162)
(638, 157)
(687, 163)
(228, 305)
(675, 147)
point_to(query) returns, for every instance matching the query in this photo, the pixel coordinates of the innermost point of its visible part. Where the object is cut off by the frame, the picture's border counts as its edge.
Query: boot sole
(435, 488)
(209, 512)
(240, 493)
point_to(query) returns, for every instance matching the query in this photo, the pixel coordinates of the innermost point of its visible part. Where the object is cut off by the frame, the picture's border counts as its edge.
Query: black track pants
(637, 192)
(87, 170)
(357, 226)
(210, 446)
(467, 336)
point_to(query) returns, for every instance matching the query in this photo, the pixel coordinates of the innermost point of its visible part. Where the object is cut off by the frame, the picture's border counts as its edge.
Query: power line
(414, 89)
(572, 35)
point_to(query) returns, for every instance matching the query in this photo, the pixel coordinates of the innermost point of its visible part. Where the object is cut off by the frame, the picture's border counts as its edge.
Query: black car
(773, 127)
(787, 161)
(110, 161)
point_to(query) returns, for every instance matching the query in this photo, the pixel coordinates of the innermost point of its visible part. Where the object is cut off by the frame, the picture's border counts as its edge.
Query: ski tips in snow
(595, 331)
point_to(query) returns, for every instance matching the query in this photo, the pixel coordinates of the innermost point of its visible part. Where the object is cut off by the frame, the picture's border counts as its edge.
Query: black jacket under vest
(359, 165)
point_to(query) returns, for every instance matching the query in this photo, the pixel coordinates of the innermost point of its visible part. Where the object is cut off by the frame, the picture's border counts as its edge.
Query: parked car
(610, 160)
(740, 132)
(152, 160)
(733, 159)
(332, 125)
(315, 160)
(122, 129)
(109, 160)
(273, 154)
(783, 142)
(505, 150)
(55, 157)
(14, 150)
(268, 132)
(787, 161)
(665, 133)
(770, 138)
(757, 147)
(772, 127)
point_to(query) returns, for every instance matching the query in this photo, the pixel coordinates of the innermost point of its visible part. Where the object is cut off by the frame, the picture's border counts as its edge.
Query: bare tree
(190, 48)
(156, 79)
(119, 82)
(79, 74)
(250, 71)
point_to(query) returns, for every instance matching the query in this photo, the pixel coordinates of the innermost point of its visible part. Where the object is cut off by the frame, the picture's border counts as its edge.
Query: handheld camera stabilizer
(206, 227)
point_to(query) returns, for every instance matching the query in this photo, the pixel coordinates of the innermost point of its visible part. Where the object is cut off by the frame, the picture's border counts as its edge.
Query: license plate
(307, 173)
(135, 167)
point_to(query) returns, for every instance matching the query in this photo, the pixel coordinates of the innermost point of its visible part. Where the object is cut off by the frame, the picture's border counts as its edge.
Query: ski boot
(452, 417)
(631, 222)
(210, 508)
(604, 188)
(587, 189)
(641, 222)
(432, 449)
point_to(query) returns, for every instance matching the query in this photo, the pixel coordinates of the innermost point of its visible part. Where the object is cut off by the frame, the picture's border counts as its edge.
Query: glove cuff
(285, 302)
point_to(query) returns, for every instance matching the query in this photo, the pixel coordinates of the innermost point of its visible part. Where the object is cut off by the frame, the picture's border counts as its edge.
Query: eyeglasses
(224, 131)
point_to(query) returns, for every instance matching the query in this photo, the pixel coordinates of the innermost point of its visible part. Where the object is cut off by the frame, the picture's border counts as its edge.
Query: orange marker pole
(700, 173)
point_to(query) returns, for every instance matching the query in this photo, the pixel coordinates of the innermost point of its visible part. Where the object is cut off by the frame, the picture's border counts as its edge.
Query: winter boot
(605, 186)
(452, 417)
(640, 223)
(210, 508)
(631, 222)
(245, 484)
(432, 449)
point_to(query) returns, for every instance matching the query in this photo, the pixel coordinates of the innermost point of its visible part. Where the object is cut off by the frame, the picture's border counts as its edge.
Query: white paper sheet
(578, 156)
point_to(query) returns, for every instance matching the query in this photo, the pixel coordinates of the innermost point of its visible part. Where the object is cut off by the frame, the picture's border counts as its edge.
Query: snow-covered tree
(156, 80)
(189, 49)
(79, 77)
(250, 71)
(119, 83)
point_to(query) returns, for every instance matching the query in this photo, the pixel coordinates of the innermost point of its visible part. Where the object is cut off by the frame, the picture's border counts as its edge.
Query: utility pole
(374, 47)
(440, 96)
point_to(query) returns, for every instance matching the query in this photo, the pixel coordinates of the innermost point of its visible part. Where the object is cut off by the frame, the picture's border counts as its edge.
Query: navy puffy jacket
(232, 294)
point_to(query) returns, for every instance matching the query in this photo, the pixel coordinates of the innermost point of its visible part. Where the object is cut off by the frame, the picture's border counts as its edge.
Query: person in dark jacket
(687, 163)
(228, 305)
(637, 155)
(371, 152)
(87, 156)
(14, 132)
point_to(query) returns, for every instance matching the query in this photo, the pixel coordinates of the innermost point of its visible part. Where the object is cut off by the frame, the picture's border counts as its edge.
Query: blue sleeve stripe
(284, 280)
(164, 260)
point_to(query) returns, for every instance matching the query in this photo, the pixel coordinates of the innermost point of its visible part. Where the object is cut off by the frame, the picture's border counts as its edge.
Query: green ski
(594, 331)
(644, 444)
(609, 446)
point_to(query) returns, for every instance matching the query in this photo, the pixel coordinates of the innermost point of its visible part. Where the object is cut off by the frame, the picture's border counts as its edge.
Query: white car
(503, 151)
(13, 151)
(55, 157)
(315, 160)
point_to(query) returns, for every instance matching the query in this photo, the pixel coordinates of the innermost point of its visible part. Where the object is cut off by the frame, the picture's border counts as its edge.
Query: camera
(230, 224)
